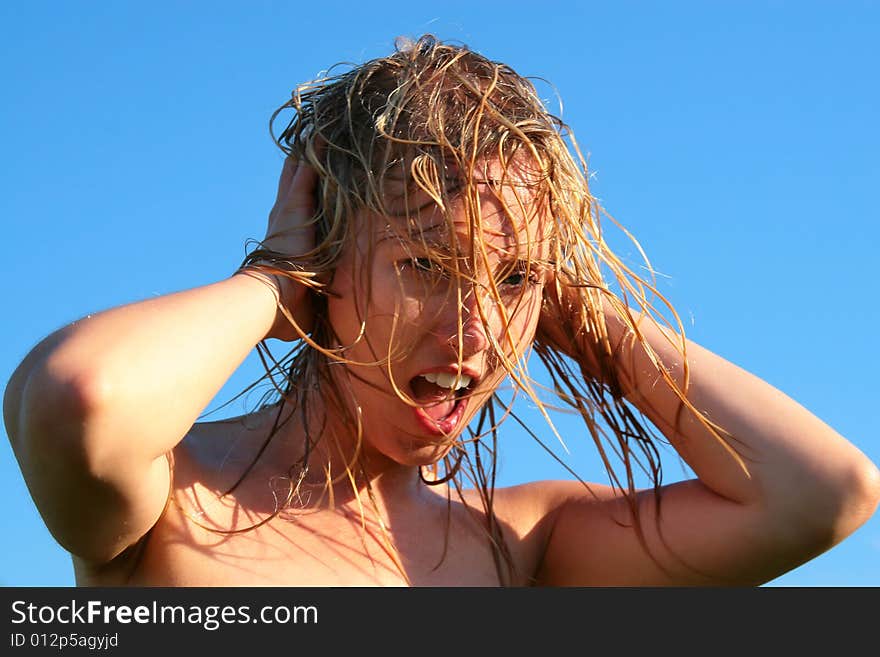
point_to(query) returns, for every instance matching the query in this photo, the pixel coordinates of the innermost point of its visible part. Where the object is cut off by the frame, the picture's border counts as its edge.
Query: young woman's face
(427, 313)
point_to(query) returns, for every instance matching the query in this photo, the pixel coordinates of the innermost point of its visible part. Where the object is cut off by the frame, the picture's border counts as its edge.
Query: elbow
(73, 390)
(865, 494)
(54, 412)
(49, 385)
(844, 506)
(70, 392)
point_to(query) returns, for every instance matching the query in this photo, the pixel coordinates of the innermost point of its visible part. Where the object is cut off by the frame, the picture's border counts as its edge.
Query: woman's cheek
(524, 322)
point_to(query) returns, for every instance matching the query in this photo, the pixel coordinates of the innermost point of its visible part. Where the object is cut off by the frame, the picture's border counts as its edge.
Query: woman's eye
(520, 278)
(424, 266)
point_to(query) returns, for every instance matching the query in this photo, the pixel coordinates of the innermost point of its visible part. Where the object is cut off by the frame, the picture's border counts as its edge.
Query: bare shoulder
(529, 512)
(215, 441)
(215, 453)
(535, 505)
(535, 501)
(582, 533)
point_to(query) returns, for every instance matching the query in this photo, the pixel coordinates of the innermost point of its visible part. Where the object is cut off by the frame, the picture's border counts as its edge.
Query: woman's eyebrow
(430, 234)
(498, 182)
(450, 182)
(407, 191)
(452, 185)
(520, 259)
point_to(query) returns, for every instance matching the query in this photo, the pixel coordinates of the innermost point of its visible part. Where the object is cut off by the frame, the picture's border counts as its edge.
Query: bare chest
(321, 548)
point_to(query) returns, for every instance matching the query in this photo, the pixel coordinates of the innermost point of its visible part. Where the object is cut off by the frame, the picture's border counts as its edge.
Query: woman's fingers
(296, 192)
(287, 172)
(301, 195)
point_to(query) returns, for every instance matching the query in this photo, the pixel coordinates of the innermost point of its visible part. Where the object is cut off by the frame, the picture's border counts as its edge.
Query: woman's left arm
(804, 487)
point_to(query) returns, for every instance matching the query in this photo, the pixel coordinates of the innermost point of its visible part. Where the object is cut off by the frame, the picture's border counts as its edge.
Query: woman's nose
(466, 314)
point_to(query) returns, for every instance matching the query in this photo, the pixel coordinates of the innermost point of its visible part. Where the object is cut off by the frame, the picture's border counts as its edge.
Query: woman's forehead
(498, 237)
(512, 210)
(520, 170)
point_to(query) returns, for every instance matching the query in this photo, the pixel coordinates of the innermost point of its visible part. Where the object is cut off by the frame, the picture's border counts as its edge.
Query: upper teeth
(446, 380)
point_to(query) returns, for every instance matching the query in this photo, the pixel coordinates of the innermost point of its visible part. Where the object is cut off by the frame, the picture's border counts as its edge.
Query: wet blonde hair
(426, 107)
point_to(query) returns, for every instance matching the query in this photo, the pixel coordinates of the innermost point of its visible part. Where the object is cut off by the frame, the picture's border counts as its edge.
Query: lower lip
(445, 426)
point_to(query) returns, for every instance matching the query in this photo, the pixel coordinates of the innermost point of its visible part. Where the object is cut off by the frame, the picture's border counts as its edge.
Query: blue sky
(738, 141)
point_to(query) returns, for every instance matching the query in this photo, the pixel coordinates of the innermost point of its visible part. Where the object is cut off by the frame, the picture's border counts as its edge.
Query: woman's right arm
(94, 409)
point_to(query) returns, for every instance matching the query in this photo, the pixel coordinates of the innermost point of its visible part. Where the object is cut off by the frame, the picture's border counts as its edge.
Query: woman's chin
(414, 452)
(427, 453)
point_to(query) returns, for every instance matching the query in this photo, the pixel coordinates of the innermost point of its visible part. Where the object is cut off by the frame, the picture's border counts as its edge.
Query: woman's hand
(289, 235)
(564, 324)
(555, 312)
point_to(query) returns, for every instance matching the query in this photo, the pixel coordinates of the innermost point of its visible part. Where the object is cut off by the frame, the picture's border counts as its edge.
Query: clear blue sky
(737, 140)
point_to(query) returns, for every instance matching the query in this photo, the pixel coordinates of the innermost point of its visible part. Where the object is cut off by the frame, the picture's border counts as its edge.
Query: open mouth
(441, 398)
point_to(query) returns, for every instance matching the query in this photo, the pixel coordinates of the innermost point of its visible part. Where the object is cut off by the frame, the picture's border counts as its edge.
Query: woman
(431, 230)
